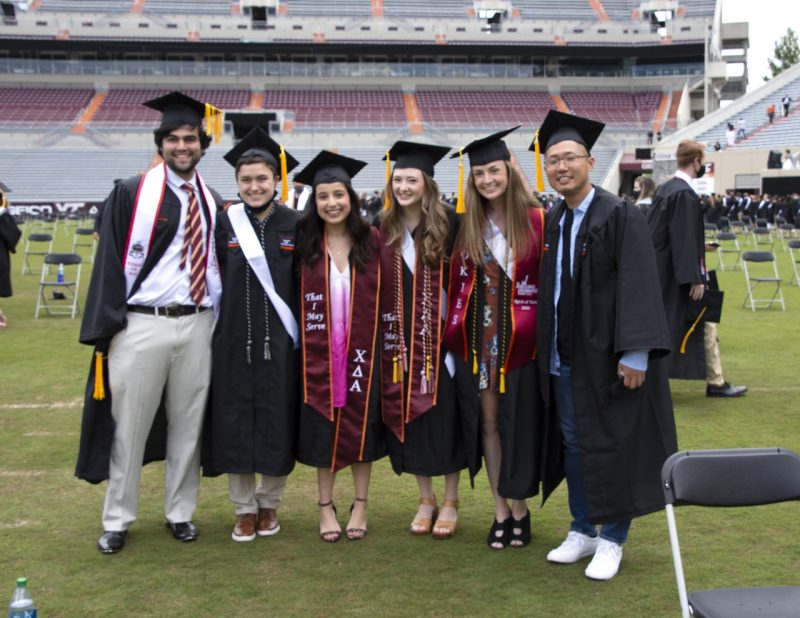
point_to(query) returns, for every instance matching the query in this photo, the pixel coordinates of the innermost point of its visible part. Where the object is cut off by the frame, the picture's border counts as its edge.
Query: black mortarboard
(258, 143)
(487, 149)
(327, 167)
(243, 122)
(4, 188)
(178, 109)
(559, 127)
(416, 155)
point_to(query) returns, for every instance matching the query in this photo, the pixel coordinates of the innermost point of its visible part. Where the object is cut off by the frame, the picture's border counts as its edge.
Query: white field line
(75, 403)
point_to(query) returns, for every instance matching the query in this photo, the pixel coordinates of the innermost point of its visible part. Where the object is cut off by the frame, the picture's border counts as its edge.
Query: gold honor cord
(691, 330)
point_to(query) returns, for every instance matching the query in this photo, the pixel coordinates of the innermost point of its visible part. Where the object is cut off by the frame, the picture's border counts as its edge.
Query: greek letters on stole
(350, 429)
(404, 400)
(524, 299)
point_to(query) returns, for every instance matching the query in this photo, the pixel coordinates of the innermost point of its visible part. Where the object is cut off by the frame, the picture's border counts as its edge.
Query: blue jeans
(578, 506)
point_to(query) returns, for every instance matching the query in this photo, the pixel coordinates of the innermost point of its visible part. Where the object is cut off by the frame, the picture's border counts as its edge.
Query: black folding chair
(760, 269)
(731, 478)
(64, 293)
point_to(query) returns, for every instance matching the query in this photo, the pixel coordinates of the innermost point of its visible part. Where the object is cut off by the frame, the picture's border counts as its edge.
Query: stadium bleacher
(425, 8)
(482, 108)
(632, 109)
(315, 8)
(340, 108)
(21, 106)
(86, 6)
(545, 9)
(189, 7)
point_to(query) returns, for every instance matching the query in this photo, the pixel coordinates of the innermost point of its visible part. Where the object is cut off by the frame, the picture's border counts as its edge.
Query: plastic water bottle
(22, 605)
(60, 274)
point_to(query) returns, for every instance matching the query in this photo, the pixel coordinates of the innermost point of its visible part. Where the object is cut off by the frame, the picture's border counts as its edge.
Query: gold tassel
(219, 127)
(213, 121)
(99, 386)
(284, 179)
(394, 370)
(388, 176)
(691, 330)
(474, 362)
(502, 380)
(460, 208)
(538, 154)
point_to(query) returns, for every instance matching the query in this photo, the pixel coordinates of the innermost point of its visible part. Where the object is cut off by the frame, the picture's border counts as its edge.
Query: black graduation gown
(105, 314)
(676, 226)
(252, 419)
(624, 435)
(315, 433)
(434, 442)
(520, 416)
(9, 237)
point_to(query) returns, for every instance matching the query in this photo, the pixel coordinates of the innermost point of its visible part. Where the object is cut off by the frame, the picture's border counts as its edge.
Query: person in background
(786, 101)
(601, 337)
(149, 317)
(643, 190)
(9, 237)
(420, 408)
(771, 112)
(298, 195)
(340, 420)
(491, 329)
(252, 420)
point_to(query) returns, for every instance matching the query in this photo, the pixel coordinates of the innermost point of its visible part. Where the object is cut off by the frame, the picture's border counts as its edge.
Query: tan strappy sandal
(449, 527)
(424, 525)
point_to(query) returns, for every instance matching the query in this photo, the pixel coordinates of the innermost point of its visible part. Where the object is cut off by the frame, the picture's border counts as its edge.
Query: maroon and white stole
(146, 208)
(350, 429)
(524, 299)
(405, 399)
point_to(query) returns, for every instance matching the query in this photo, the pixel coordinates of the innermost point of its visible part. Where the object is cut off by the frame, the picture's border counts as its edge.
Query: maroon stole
(405, 399)
(524, 298)
(350, 429)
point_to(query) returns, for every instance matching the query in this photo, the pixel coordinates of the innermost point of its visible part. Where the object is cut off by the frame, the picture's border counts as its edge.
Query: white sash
(254, 254)
(498, 245)
(143, 222)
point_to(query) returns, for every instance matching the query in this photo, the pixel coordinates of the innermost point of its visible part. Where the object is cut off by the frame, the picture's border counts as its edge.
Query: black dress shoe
(725, 390)
(183, 531)
(111, 541)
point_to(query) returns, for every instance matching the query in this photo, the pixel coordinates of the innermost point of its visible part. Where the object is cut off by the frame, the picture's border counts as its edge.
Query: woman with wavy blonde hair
(419, 405)
(491, 328)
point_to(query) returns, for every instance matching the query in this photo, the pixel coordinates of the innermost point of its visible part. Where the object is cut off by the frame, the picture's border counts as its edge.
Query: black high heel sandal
(524, 527)
(504, 527)
(331, 536)
(356, 534)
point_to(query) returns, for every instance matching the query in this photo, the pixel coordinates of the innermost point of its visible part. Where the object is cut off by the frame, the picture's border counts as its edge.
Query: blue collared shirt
(635, 359)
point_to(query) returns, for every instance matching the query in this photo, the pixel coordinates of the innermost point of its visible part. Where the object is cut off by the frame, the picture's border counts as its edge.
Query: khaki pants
(156, 355)
(247, 498)
(713, 364)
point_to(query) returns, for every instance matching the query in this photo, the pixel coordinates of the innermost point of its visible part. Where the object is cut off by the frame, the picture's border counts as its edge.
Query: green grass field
(50, 521)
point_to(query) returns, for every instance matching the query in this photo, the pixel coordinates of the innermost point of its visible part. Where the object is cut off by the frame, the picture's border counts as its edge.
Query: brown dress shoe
(267, 522)
(245, 528)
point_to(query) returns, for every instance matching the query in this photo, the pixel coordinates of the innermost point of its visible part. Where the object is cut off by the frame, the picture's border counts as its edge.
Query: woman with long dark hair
(340, 422)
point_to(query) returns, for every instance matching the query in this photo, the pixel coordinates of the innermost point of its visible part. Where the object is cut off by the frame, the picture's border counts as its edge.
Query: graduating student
(602, 334)
(340, 423)
(491, 328)
(148, 315)
(424, 435)
(251, 426)
(9, 237)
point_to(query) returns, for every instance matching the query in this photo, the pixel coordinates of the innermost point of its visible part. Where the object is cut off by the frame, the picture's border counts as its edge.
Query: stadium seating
(86, 6)
(340, 108)
(123, 108)
(425, 8)
(632, 109)
(482, 108)
(315, 8)
(36, 106)
(698, 8)
(545, 9)
(786, 131)
(192, 7)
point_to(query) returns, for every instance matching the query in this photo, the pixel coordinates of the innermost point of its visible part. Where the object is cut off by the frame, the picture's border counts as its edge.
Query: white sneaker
(574, 547)
(605, 563)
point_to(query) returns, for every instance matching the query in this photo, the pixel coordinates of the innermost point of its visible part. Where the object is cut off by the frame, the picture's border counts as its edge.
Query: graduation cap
(707, 309)
(329, 167)
(180, 109)
(481, 151)
(244, 122)
(258, 143)
(413, 155)
(560, 127)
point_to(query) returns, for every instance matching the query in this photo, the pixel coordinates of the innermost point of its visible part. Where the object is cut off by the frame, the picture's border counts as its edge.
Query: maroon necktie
(193, 240)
